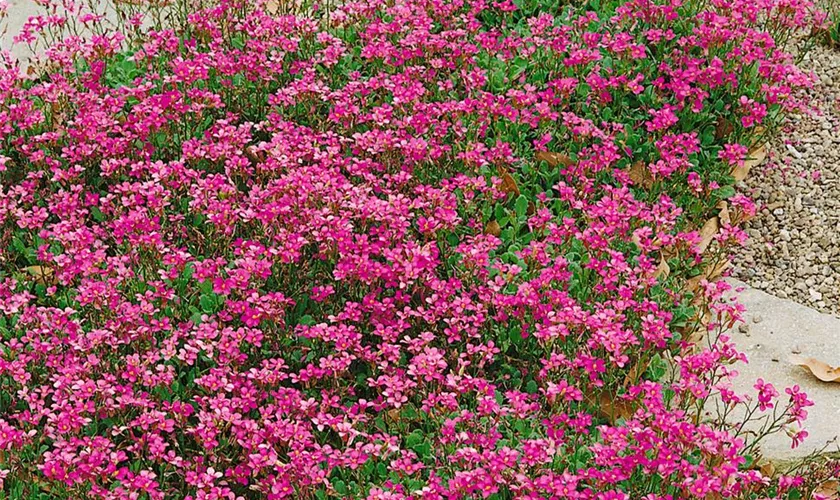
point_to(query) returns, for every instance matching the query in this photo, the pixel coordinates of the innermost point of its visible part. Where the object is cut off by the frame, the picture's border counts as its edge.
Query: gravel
(794, 247)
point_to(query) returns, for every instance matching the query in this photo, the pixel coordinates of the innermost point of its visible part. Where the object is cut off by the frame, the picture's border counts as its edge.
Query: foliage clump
(385, 250)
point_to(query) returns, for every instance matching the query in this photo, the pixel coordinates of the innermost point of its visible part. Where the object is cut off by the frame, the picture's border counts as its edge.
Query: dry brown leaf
(713, 272)
(532, 209)
(723, 128)
(758, 133)
(663, 269)
(768, 470)
(255, 156)
(611, 406)
(669, 251)
(700, 329)
(42, 274)
(707, 233)
(829, 489)
(723, 214)
(756, 156)
(692, 284)
(640, 175)
(509, 185)
(822, 371)
(633, 374)
(554, 159)
(697, 337)
(706, 318)
(493, 228)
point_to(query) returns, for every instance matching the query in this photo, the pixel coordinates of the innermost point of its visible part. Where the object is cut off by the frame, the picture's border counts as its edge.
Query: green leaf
(657, 368)
(195, 317)
(726, 192)
(500, 213)
(208, 303)
(97, 214)
(708, 137)
(188, 271)
(521, 206)
(414, 438)
(531, 387)
(423, 450)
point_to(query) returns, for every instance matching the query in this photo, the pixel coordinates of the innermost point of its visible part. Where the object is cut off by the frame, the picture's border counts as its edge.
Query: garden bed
(389, 250)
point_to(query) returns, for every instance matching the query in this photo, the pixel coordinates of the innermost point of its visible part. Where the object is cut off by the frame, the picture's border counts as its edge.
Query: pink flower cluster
(256, 256)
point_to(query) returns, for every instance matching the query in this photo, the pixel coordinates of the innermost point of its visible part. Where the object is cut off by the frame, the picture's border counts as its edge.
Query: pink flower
(766, 394)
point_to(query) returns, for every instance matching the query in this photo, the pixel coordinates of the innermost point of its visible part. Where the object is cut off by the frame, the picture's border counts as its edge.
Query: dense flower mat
(404, 249)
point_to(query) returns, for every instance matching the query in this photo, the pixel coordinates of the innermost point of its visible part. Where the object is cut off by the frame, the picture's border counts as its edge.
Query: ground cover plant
(385, 250)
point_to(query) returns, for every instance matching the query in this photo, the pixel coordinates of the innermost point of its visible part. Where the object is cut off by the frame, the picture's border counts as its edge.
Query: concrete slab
(17, 12)
(775, 329)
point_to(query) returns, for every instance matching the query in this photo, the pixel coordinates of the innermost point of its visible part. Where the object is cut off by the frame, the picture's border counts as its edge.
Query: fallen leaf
(707, 233)
(829, 489)
(42, 274)
(758, 133)
(697, 337)
(706, 318)
(554, 159)
(253, 155)
(663, 269)
(669, 251)
(699, 330)
(611, 406)
(710, 273)
(640, 175)
(723, 128)
(768, 470)
(509, 185)
(723, 214)
(493, 228)
(822, 371)
(692, 284)
(713, 272)
(756, 156)
(633, 374)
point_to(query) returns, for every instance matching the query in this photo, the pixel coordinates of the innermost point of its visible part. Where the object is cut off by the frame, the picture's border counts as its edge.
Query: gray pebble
(793, 250)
